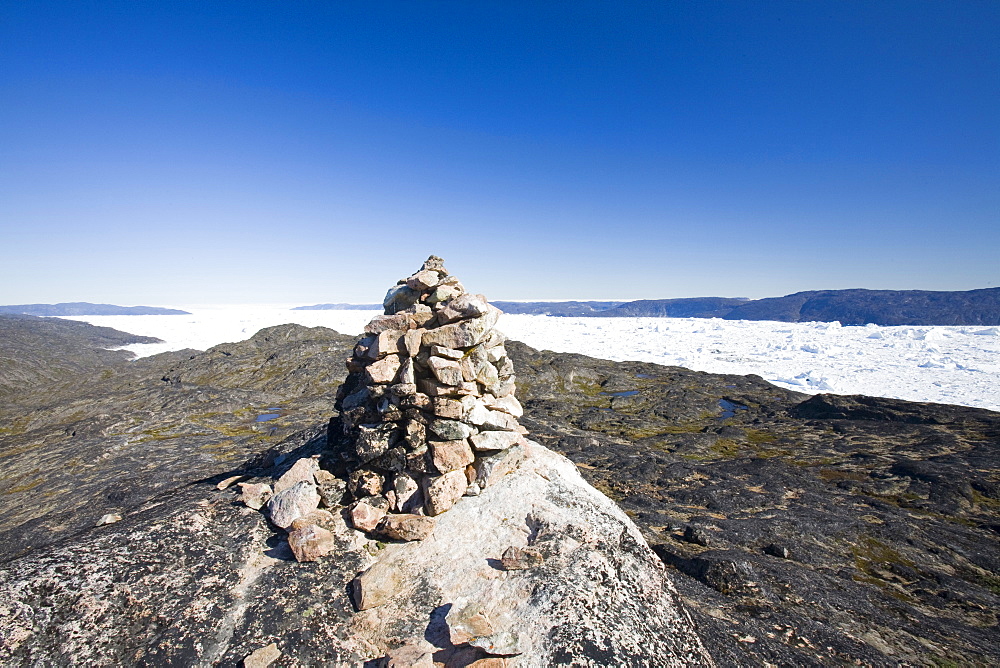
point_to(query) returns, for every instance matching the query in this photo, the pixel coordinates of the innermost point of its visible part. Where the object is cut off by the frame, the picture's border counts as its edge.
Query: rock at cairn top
(428, 412)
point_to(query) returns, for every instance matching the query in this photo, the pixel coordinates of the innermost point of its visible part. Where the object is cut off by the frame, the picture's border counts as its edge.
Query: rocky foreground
(196, 579)
(797, 531)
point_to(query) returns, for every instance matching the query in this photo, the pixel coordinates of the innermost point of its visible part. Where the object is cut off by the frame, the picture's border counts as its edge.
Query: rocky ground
(822, 530)
(109, 438)
(799, 531)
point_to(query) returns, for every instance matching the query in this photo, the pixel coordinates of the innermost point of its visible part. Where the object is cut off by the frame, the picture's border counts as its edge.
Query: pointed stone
(228, 482)
(263, 657)
(451, 455)
(443, 293)
(500, 421)
(388, 342)
(366, 513)
(449, 408)
(311, 542)
(510, 405)
(411, 340)
(303, 469)
(287, 506)
(375, 586)
(407, 374)
(463, 334)
(423, 280)
(495, 440)
(447, 353)
(446, 371)
(451, 430)
(382, 371)
(404, 486)
(521, 558)
(441, 492)
(491, 468)
(255, 495)
(374, 440)
(406, 526)
(381, 323)
(434, 263)
(398, 298)
(464, 307)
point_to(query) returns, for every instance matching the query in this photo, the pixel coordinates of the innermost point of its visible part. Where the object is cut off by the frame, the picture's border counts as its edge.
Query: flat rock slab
(600, 597)
(229, 586)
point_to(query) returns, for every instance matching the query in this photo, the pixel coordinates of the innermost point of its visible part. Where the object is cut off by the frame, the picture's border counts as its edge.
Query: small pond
(729, 408)
(277, 412)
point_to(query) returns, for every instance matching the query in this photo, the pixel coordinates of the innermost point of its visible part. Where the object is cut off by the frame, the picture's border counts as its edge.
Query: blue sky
(192, 152)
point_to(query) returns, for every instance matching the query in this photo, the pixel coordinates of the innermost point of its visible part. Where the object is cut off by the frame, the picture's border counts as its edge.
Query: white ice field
(955, 365)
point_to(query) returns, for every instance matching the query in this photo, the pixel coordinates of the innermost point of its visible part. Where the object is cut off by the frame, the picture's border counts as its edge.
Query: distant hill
(44, 350)
(692, 307)
(881, 307)
(84, 308)
(339, 307)
(566, 309)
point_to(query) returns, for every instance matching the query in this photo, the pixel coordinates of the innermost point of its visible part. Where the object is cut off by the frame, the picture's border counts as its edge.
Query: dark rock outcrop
(803, 530)
(37, 353)
(109, 435)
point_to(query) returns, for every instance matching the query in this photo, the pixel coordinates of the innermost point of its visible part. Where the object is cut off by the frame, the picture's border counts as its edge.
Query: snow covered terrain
(956, 365)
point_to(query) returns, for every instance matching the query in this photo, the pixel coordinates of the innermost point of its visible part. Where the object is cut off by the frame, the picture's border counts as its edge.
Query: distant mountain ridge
(856, 306)
(849, 307)
(86, 308)
(880, 307)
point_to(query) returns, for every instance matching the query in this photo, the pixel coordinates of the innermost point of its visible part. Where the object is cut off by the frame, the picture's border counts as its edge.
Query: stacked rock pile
(428, 412)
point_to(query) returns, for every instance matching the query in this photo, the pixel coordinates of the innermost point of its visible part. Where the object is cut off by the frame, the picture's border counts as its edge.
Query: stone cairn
(428, 412)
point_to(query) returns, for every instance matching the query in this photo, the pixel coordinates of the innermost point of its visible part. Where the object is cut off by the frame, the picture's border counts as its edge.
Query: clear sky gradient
(252, 151)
